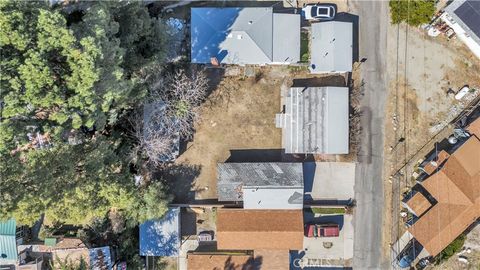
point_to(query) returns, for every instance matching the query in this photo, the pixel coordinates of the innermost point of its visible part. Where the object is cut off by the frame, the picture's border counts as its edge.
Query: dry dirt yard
(238, 115)
(418, 107)
(427, 68)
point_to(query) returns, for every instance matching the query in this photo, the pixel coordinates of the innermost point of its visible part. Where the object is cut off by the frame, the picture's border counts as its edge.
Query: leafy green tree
(413, 12)
(47, 74)
(71, 81)
(58, 77)
(69, 183)
(143, 36)
(151, 204)
(75, 184)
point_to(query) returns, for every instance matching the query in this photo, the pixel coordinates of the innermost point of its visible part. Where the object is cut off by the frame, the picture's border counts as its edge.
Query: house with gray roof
(331, 48)
(315, 120)
(242, 36)
(261, 185)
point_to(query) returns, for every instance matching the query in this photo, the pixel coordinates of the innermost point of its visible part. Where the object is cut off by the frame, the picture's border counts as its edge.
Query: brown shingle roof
(456, 188)
(273, 259)
(418, 204)
(259, 229)
(431, 167)
(220, 262)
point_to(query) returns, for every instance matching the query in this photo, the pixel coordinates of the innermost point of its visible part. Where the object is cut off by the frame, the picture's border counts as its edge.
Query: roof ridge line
(256, 22)
(454, 182)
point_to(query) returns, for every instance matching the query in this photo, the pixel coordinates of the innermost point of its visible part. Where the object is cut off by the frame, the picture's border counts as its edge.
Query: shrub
(451, 249)
(304, 50)
(413, 12)
(327, 211)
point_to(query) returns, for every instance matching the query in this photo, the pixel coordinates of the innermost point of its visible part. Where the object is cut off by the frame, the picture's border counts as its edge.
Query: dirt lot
(419, 109)
(238, 115)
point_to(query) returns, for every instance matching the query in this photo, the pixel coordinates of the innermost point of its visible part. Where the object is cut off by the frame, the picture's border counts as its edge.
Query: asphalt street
(373, 22)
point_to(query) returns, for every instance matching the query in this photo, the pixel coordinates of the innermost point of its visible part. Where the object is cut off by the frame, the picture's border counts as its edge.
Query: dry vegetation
(418, 109)
(238, 115)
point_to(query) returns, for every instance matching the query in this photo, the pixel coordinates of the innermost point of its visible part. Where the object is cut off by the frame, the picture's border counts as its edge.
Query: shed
(261, 185)
(161, 237)
(238, 35)
(8, 243)
(315, 120)
(331, 47)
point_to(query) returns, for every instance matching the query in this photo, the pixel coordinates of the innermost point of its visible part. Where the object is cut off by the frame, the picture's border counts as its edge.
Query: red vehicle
(328, 230)
(309, 229)
(322, 230)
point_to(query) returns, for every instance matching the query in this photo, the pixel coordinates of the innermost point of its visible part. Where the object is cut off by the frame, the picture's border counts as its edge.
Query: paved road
(373, 21)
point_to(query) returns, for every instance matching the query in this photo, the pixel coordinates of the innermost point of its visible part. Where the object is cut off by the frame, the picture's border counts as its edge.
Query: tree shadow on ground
(179, 180)
(330, 80)
(265, 155)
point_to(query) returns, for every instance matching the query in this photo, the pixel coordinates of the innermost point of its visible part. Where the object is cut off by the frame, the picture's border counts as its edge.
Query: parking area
(326, 251)
(194, 221)
(329, 181)
(342, 5)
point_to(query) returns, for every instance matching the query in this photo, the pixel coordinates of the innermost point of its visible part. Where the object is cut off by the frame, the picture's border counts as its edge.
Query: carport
(329, 182)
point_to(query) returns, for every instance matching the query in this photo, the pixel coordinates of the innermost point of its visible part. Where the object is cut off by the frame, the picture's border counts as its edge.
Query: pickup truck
(322, 230)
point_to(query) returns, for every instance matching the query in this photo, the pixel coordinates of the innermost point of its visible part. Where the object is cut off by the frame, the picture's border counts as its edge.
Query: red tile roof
(220, 262)
(240, 229)
(418, 204)
(456, 188)
(474, 128)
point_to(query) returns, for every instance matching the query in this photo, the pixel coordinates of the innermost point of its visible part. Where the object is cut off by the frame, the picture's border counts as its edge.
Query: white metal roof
(331, 48)
(272, 198)
(316, 120)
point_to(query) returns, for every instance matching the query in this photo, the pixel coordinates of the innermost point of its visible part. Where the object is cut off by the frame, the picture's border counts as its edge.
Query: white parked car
(460, 94)
(319, 12)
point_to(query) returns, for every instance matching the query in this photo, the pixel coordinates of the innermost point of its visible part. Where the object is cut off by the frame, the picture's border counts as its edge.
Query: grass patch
(297, 69)
(451, 249)
(328, 211)
(304, 50)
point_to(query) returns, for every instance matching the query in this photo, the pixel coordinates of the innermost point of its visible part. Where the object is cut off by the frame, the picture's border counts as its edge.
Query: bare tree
(356, 95)
(355, 130)
(183, 93)
(169, 113)
(154, 139)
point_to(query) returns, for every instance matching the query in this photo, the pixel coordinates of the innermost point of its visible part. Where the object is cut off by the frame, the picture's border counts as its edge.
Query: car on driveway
(205, 236)
(319, 12)
(408, 254)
